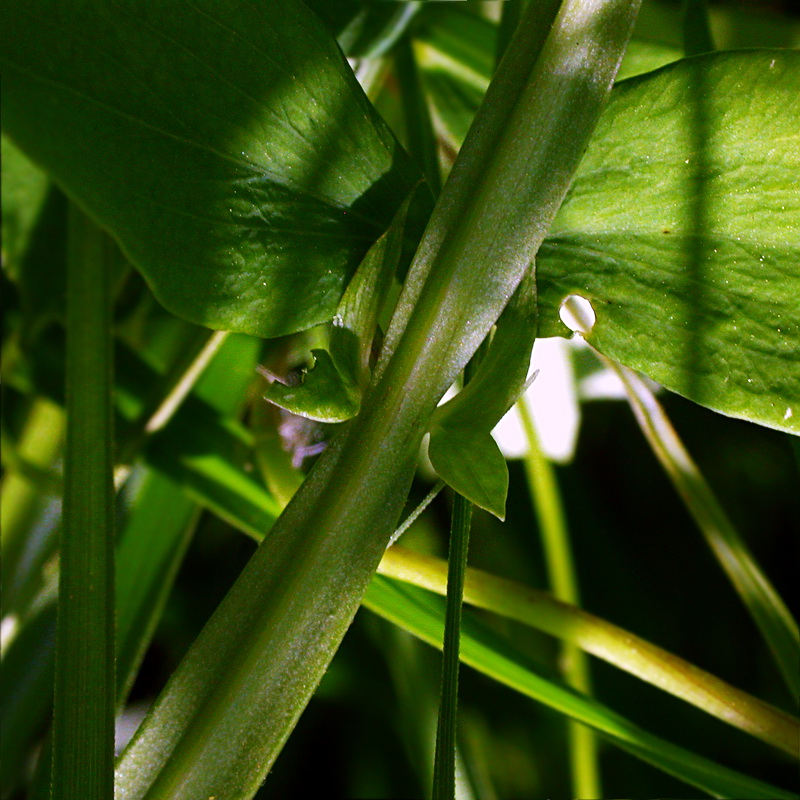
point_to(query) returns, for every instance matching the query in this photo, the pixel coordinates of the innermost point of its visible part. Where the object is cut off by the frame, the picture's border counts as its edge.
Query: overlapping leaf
(331, 391)
(682, 228)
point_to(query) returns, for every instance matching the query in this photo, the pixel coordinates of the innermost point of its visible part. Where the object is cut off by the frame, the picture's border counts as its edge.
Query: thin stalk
(543, 487)
(444, 767)
(182, 379)
(615, 645)
(419, 128)
(171, 390)
(83, 715)
(776, 623)
(415, 514)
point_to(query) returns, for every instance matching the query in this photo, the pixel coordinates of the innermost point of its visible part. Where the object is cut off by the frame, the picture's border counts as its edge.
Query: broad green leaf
(462, 449)
(421, 614)
(34, 239)
(226, 146)
(150, 550)
(24, 191)
(682, 228)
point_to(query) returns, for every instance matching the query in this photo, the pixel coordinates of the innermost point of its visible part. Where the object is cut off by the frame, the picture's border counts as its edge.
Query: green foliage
(219, 123)
(696, 283)
(251, 186)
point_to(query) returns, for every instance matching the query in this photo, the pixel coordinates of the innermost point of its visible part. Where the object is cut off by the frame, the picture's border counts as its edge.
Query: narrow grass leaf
(422, 144)
(26, 691)
(422, 614)
(150, 550)
(83, 715)
(773, 618)
(604, 640)
(24, 494)
(562, 577)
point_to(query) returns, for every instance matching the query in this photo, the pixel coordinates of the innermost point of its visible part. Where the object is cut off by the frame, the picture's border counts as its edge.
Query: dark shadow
(697, 236)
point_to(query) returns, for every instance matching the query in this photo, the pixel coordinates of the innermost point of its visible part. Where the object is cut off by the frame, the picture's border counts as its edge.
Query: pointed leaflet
(331, 391)
(268, 644)
(227, 146)
(462, 449)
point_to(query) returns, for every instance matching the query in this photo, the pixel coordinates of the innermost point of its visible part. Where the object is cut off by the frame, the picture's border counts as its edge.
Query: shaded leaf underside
(226, 146)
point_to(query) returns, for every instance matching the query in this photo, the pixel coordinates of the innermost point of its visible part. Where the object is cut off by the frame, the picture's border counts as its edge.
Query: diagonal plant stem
(615, 645)
(765, 605)
(561, 570)
(444, 767)
(271, 640)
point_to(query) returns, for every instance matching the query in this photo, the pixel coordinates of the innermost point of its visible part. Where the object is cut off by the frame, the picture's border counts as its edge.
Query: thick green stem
(270, 641)
(83, 716)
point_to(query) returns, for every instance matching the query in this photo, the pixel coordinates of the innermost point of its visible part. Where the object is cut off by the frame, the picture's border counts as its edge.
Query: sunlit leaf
(696, 283)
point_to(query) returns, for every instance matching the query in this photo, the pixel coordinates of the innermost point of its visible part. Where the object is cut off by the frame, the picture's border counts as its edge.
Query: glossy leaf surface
(256, 173)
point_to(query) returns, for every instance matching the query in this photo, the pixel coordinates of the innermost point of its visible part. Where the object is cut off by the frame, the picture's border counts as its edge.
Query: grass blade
(421, 614)
(600, 638)
(546, 497)
(83, 716)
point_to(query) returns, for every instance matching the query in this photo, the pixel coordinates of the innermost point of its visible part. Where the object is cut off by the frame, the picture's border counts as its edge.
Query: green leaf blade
(695, 284)
(244, 142)
(326, 393)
